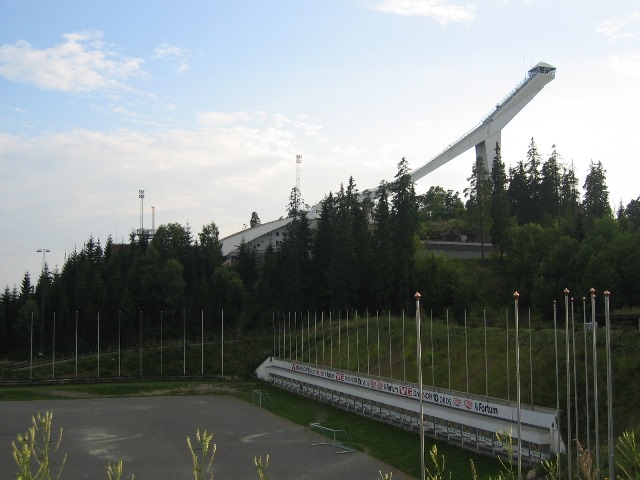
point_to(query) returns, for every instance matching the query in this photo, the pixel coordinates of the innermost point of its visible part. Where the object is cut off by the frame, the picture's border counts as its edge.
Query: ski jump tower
(483, 137)
(486, 134)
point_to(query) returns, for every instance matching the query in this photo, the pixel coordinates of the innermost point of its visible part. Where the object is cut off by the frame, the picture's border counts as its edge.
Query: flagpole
(555, 337)
(575, 378)
(586, 371)
(508, 369)
(486, 362)
(466, 349)
(390, 362)
(595, 378)
(419, 357)
(610, 440)
(568, 375)
(448, 360)
(516, 295)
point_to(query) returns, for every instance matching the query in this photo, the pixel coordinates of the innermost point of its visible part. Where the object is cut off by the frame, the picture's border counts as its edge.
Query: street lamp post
(44, 252)
(141, 197)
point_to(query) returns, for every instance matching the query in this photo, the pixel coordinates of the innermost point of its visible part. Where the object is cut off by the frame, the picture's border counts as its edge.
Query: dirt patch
(56, 392)
(202, 389)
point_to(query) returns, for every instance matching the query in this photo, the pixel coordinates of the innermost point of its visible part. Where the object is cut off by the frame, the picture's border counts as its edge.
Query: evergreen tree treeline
(363, 254)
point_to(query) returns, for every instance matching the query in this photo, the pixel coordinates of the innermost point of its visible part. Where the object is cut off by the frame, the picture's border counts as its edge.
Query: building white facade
(263, 235)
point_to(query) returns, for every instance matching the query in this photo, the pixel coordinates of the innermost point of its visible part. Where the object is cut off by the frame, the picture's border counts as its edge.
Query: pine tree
(294, 261)
(382, 251)
(405, 225)
(500, 219)
(534, 180)
(247, 265)
(479, 203)
(208, 251)
(267, 289)
(629, 216)
(343, 268)
(255, 220)
(569, 197)
(518, 194)
(322, 252)
(27, 289)
(294, 207)
(359, 212)
(550, 187)
(596, 194)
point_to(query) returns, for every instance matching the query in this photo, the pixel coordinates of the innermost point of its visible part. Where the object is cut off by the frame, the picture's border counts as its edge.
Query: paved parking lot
(149, 434)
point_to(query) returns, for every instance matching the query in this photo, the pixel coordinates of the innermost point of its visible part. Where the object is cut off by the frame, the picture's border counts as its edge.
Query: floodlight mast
(298, 163)
(141, 197)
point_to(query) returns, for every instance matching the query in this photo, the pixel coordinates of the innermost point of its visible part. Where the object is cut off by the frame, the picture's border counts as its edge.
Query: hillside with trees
(546, 234)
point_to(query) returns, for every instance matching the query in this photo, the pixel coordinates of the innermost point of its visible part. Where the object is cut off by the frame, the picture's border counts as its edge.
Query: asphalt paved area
(149, 435)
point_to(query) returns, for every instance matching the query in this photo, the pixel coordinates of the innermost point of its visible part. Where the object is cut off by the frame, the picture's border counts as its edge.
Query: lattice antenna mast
(141, 197)
(298, 167)
(298, 163)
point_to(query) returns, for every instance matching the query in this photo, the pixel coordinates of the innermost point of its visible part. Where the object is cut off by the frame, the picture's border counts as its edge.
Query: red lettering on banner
(406, 391)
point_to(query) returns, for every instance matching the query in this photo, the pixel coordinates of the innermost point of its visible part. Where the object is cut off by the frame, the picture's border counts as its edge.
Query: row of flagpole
(281, 348)
(290, 334)
(140, 345)
(568, 413)
(283, 321)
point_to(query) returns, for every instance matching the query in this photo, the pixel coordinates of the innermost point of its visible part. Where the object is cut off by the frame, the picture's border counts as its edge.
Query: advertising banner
(408, 391)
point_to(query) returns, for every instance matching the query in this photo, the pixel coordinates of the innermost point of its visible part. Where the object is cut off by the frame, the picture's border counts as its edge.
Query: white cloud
(218, 118)
(441, 10)
(627, 64)
(81, 64)
(179, 56)
(81, 170)
(621, 28)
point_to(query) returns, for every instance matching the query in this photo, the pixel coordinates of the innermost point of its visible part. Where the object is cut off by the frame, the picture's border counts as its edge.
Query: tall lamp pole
(44, 252)
(141, 197)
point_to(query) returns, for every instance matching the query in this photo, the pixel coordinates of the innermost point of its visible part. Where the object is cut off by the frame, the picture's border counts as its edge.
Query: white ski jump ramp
(485, 135)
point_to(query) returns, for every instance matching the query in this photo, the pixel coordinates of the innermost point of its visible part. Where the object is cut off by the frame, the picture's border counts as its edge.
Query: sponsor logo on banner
(401, 390)
(406, 391)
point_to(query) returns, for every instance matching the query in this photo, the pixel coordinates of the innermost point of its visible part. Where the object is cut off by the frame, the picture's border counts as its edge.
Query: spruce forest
(542, 230)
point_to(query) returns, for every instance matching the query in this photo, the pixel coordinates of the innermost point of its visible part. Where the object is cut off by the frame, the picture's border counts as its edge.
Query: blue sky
(205, 104)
